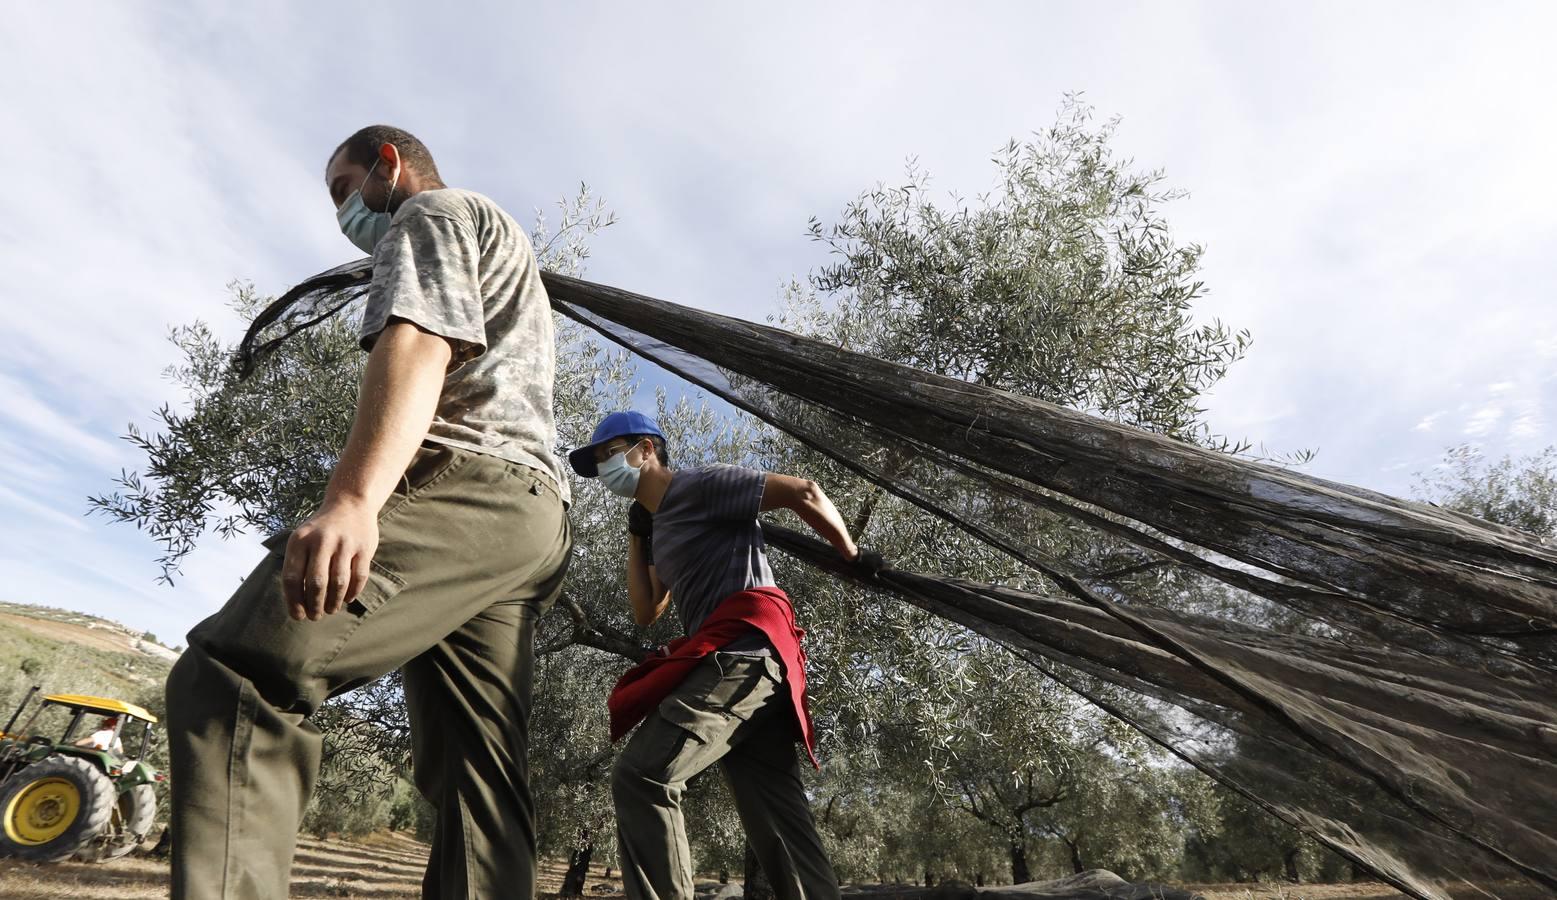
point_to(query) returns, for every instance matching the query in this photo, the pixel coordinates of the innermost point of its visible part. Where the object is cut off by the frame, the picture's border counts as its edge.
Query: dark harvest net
(1411, 730)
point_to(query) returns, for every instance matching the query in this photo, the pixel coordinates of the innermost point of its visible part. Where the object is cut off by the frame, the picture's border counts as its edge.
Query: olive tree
(1517, 492)
(1066, 283)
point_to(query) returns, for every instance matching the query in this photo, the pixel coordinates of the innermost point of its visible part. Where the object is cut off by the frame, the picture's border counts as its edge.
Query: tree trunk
(929, 880)
(1075, 856)
(578, 867)
(757, 886)
(978, 879)
(1019, 871)
(1291, 859)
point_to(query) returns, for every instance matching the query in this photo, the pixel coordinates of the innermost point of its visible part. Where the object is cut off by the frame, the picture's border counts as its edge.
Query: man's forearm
(638, 588)
(817, 511)
(399, 394)
(643, 592)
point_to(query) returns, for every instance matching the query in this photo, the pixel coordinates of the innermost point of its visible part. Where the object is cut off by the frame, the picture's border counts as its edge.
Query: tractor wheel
(53, 808)
(131, 821)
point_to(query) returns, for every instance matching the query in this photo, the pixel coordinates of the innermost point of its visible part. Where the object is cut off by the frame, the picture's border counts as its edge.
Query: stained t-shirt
(458, 266)
(708, 542)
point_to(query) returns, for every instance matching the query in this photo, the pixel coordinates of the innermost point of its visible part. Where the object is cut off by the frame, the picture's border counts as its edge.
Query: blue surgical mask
(619, 478)
(362, 226)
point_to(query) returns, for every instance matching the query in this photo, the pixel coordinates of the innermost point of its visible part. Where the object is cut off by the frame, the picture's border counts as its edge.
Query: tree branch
(599, 636)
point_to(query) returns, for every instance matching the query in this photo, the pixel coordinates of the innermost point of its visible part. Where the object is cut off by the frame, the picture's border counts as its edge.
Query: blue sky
(1372, 182)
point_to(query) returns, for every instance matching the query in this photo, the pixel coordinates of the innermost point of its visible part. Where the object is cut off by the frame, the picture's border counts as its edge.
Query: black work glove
(639, 520)
(870, 561)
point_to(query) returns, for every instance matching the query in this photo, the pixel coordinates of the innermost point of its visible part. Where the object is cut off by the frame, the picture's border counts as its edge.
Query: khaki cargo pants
(735, 710)
(472, 549)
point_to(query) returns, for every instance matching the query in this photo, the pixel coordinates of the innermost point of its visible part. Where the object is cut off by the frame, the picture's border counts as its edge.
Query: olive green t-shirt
(456, 265)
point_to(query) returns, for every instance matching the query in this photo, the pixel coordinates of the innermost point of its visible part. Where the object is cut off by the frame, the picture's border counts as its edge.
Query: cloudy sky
(1373, 184)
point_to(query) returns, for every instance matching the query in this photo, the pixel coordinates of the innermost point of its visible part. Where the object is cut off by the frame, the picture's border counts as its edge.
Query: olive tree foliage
(882, 827)
(1036, 779)
(1083, 780)
(1064, 282)
(1237, 841)
(1517, 492)
(570, 751)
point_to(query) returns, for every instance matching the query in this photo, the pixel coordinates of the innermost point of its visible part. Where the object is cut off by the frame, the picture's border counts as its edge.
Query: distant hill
(70, 652)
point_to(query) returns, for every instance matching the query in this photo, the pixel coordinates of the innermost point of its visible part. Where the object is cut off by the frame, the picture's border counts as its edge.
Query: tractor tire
(53, 808)
(131, 821)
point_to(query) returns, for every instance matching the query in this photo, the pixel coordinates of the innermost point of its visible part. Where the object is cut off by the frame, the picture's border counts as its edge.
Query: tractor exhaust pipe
(21, 706)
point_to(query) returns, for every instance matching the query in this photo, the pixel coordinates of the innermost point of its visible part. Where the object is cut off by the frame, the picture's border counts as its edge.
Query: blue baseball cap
(617, 424)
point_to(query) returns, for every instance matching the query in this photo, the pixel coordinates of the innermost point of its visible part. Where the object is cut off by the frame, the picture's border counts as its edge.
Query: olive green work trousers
(472, 549)
(733, 709)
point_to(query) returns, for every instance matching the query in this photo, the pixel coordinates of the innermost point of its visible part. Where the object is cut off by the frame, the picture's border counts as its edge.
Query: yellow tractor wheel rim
(42, 811)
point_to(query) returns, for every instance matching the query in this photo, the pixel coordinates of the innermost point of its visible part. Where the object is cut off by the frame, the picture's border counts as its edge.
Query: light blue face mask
(362, 226)
(619, 478)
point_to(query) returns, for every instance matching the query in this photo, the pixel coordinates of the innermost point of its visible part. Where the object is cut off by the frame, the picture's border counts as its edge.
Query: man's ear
(389, 155)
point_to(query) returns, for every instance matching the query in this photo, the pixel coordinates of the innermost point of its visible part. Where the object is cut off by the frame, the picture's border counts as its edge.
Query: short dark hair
(362, 149)
(659, 446)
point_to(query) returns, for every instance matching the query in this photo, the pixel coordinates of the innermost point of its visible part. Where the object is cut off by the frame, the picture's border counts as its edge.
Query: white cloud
(23, 410)
(1428, 421)
(13, 502)
(1526, 426)
(1483, 421)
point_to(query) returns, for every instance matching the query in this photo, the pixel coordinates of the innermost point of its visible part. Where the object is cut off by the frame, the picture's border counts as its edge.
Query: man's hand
(869, 560)
(640, 522)
(327, 559)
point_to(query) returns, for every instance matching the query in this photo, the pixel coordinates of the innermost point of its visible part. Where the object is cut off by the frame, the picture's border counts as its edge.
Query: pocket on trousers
(431, 462)
(382, 585)
(705, 726)
(743, 687)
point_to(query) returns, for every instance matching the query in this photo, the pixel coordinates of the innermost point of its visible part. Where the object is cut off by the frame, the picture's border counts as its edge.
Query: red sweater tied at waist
(641, 689)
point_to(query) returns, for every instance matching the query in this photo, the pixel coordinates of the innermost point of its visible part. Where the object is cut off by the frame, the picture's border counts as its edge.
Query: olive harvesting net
(1403, 713)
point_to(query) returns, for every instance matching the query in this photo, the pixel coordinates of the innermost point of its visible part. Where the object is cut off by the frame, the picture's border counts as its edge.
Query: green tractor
(76, 797)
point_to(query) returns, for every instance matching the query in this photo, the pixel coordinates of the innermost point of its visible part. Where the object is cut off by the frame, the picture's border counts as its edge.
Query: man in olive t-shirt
(442, 536)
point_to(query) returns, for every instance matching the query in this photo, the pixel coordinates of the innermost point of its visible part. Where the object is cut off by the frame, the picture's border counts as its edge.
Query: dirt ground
(96, 638)
(96, 634)
(381, 867)
(1356, 891)
(389, 866)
